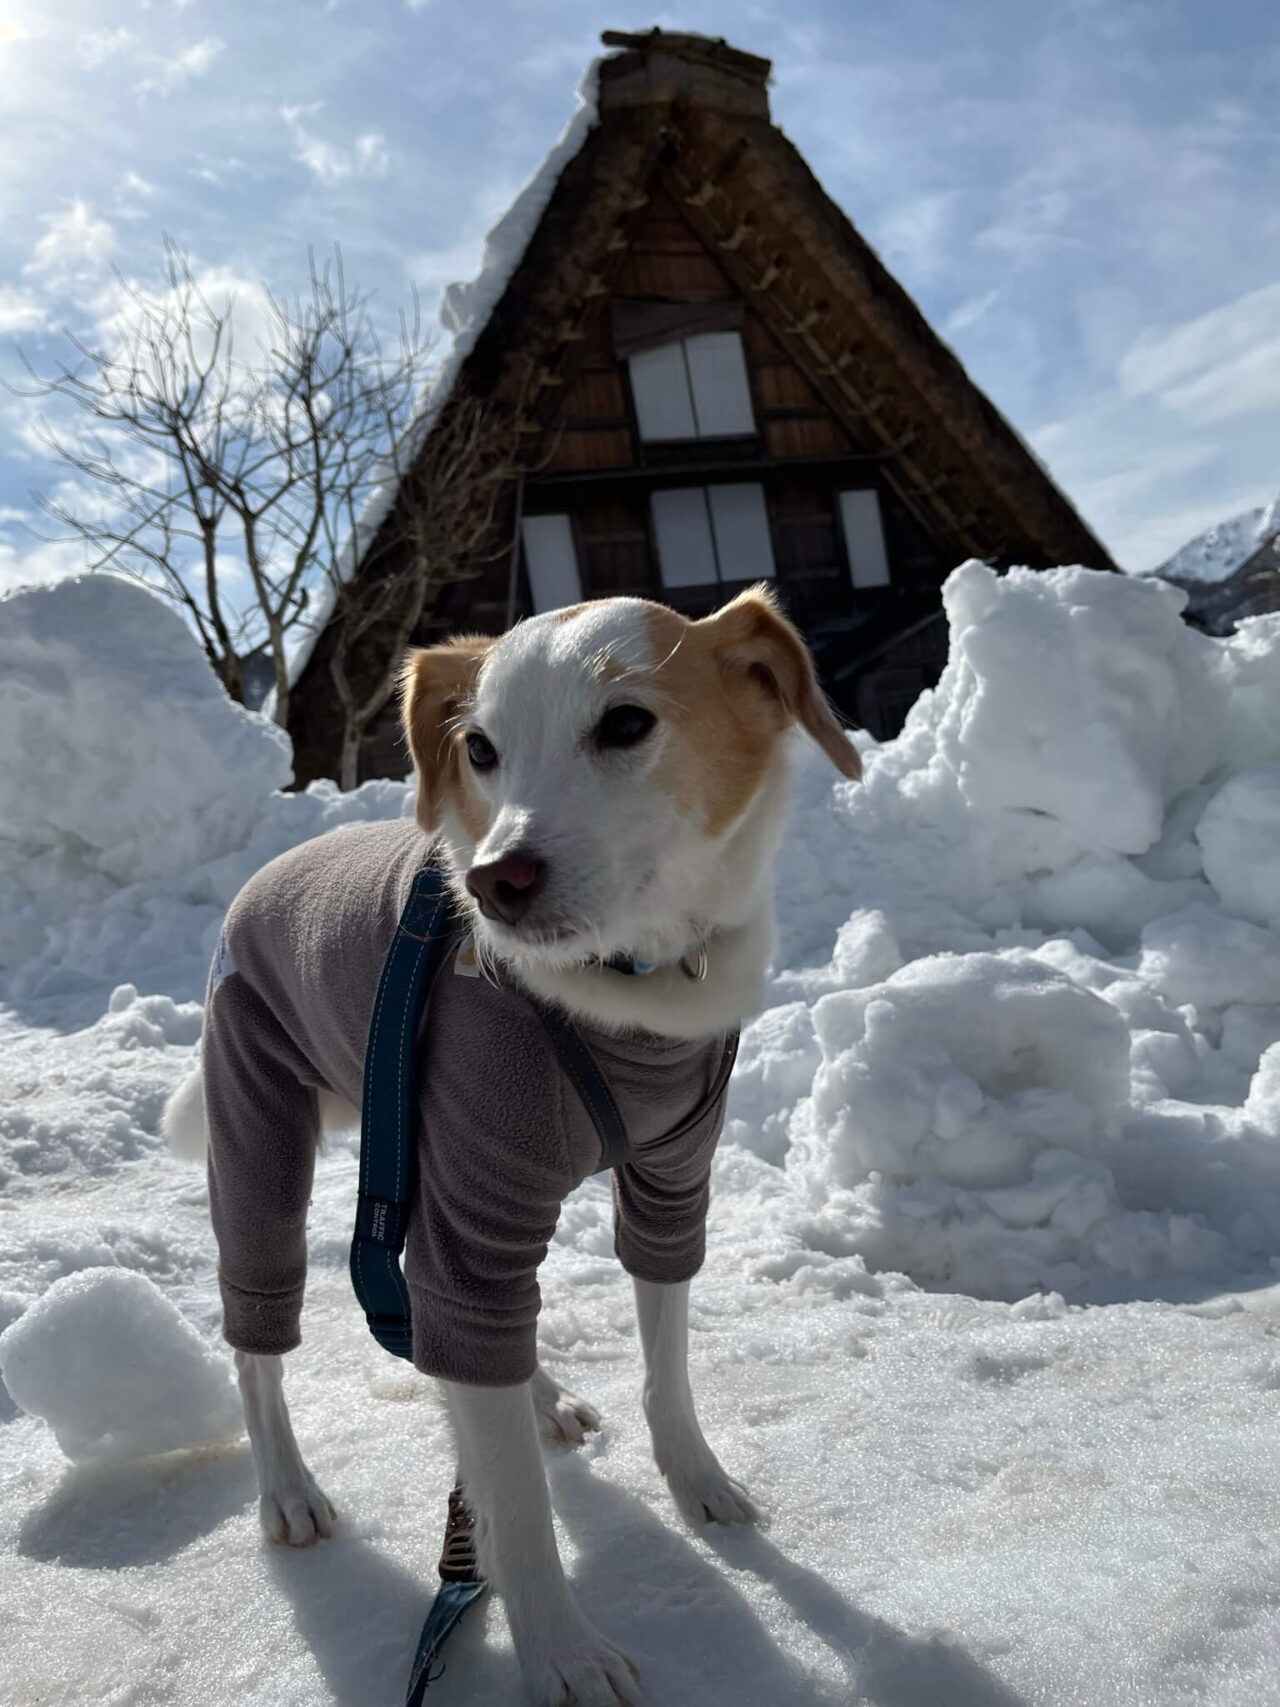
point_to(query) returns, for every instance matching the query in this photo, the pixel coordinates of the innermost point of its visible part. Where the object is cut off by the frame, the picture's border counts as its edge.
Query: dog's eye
(623, 726)
(481, 751)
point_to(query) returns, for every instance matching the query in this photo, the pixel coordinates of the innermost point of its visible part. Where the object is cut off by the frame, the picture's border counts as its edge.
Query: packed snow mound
(1239, 837)
(135, 796)
(121, 757)
(116, 1371)
(1218, 551)
(961, 1066)
(1029, 990)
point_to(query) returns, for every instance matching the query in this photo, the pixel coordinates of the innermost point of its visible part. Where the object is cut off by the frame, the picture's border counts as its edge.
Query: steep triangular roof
(692, 115)
(684, 120)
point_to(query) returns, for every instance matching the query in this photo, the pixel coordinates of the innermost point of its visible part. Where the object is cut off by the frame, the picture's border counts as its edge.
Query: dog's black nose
(506, 887)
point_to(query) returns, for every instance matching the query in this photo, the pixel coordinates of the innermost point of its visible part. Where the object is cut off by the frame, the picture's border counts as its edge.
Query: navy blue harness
(388, 1116)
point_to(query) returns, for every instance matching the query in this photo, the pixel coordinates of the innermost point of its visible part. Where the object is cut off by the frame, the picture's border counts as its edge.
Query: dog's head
(610, 778)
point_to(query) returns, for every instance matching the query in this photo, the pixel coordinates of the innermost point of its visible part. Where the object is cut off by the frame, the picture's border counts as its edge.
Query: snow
(1218, 551)
(123, 837)
(91, 796)
(989, 1316)
(1239, 836)
(115, 1371)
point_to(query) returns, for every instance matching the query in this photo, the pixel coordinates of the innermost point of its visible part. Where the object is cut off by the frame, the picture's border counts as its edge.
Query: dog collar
(693, 963)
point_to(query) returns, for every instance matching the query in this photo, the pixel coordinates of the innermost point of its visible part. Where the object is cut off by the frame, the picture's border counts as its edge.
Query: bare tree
(223, 483)
(448, 478)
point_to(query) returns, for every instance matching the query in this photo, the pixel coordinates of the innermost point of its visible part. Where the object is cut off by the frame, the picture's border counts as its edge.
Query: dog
(605, 787)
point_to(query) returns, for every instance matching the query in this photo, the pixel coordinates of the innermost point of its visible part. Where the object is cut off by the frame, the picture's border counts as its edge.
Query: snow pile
(1218, 551)
(1045, 1049)
(114, 1369)
(120, 760)
(135, 797)
(1239, 837)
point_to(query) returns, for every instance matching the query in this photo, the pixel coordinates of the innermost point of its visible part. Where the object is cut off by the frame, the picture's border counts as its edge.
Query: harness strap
(388, 1115)
(583, 1072)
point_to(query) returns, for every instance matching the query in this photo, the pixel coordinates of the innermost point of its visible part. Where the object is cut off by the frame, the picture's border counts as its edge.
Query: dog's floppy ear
(756, 645)
(434, 685)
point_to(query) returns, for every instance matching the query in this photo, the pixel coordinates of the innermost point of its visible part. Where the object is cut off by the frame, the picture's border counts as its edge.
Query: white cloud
(969, 312)
(19, 311)
(182, 68)
(226, 291)
(1221, 364)
(133, 184)
(94, 47)
(369, 156)
(916, 235)
(40, 561)
(75, 246)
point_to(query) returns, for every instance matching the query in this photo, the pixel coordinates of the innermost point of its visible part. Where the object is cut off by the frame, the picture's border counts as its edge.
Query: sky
(1080, 195)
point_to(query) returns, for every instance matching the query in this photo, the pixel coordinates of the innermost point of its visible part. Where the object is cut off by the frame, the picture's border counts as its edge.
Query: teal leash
(461, 1585)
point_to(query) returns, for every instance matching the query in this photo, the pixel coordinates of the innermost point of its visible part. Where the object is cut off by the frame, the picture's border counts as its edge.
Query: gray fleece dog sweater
(502, 1136)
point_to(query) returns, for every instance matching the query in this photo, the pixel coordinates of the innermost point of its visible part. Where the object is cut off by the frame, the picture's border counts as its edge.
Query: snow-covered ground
(989, 1321)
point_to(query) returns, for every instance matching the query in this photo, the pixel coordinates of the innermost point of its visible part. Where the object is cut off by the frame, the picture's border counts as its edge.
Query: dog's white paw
(296, 1512)
(563, 1418)
(703, 1491)
(581, 1669)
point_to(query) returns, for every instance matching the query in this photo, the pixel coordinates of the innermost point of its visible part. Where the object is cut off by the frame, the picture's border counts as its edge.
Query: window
(551, 561)
(694, 388)
(864, 539)
(707, 534)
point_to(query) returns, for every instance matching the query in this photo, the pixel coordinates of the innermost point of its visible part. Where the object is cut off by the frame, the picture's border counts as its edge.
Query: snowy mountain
(989, 1316)
(1218, 551)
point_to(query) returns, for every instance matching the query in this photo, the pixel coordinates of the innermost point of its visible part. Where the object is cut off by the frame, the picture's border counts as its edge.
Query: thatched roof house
(715, 380)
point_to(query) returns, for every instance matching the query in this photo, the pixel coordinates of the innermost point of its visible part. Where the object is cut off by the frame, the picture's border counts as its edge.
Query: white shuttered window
(552, 562)
(864, 539)
(694, 388)
(660, 386)
(740, 523)
(707, 534)
(682, 528)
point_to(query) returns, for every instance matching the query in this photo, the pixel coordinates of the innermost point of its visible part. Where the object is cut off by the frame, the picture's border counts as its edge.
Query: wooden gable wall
(596, 467)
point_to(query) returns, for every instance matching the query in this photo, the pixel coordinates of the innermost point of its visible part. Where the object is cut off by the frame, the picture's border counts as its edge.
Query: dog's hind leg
(701, 1489)
(292, 1508)
(563, 1658)
(563, 1418)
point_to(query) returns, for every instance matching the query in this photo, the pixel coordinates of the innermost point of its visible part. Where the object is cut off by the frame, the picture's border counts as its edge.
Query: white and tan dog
(608, 780)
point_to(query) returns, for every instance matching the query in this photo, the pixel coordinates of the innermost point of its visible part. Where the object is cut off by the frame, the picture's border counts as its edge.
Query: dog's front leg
(292, 1506)
(565, 1661)
(699, 1486)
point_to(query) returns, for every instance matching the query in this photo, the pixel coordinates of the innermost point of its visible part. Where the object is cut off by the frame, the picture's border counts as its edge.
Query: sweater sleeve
(660, 1215)
(660, 1198)
(263, 1126)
